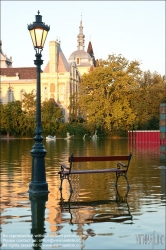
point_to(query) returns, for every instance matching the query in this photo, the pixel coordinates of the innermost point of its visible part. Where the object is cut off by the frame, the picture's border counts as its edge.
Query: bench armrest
(121, 164)
(63, 166)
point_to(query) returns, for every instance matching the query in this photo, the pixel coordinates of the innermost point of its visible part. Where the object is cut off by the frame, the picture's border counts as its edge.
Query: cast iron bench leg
(71, 190)
(60, 188)
(128, 186)
(117, 177)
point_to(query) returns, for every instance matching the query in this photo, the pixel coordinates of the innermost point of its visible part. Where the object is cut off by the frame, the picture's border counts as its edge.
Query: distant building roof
(85, 58)
(23, 73)
(90, 52)
(81, 54)
(63, 65)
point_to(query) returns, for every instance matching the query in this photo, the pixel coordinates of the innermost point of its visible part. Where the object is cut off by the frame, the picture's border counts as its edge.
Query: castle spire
(80, 37)
(91, 53)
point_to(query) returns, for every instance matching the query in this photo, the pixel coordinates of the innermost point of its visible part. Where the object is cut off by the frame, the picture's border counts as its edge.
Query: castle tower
(80, 37)
(83, 60)
(5, 62)
(90, 52)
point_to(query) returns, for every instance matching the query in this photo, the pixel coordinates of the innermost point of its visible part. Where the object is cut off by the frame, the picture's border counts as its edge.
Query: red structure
(146, 136)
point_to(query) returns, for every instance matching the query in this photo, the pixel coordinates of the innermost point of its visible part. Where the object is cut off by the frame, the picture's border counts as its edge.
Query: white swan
(68, 136)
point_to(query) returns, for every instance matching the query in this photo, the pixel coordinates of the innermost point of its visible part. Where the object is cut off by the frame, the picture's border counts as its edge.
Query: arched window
(45, 93)
(78, 60)
(10, 95)
(52, 87)
(61, 92)
(45, 90)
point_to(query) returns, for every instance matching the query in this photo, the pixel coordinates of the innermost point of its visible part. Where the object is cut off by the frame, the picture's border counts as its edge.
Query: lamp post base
(38, 187)
(38, 184)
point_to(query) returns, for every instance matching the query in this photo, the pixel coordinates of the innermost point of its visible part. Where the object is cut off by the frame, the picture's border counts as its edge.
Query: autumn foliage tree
(105, 94)
(19, 118)
(145, 100)
(117, 94)
(11, 118)
(51, 116)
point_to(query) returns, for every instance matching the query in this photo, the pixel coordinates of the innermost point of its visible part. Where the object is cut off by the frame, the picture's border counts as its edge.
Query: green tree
(104, 97)
(29, 103)
(51, 117)
(11, 117)
(29, 108)
(146, 100)
(74, 108)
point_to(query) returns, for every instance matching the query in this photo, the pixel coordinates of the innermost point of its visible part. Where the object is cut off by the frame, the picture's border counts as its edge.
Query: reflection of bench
(97, 210)
(121, 169)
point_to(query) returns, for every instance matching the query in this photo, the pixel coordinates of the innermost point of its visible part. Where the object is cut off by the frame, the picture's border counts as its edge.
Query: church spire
(90, 52)
(80, 37)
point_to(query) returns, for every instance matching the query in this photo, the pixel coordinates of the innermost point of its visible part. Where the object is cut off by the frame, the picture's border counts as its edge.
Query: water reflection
(116, 210)
(38, 229)
(96, 214)
(162, 168)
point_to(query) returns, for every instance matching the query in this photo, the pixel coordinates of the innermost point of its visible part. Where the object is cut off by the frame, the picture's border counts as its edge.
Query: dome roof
(81, 54)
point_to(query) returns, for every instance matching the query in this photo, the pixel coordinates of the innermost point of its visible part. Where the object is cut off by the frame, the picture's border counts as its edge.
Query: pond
(97, 215)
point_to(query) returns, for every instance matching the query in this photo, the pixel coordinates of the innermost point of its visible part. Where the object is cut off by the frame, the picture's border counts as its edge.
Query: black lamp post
(38, 31)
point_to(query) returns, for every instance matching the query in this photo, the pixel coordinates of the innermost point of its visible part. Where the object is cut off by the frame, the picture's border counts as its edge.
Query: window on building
(78, 60)
(45, 93)
(45, 90)
(10, 95)
(52, 87)
(61, 97)
(61, 92)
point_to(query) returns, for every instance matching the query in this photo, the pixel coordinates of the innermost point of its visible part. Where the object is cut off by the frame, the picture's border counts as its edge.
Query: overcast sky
(135, 29)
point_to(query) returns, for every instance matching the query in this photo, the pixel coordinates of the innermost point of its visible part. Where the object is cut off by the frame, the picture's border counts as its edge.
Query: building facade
(59, 80)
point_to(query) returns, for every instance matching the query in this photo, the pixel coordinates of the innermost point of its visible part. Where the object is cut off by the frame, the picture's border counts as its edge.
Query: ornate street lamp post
(38, 31)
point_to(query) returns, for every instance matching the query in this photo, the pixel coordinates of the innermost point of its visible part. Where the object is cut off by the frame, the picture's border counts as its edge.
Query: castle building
(59, 80)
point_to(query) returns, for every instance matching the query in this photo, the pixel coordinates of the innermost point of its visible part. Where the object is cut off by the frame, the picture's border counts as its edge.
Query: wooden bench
(121, 170)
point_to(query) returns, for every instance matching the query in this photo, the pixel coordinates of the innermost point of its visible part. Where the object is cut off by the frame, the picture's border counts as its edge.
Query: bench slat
(98, 158)
(93, 171)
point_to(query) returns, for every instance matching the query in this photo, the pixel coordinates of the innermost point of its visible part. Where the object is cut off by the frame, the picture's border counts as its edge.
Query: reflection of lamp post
(38, 31)
(38, 230)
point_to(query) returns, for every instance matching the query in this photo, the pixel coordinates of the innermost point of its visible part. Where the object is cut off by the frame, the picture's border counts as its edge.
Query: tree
(146, 100)
(51, 116)
(11, 117)
(104, 96)
(29, 103)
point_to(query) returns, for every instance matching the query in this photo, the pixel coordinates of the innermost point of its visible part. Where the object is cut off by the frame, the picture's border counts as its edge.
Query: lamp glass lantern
(38, 31)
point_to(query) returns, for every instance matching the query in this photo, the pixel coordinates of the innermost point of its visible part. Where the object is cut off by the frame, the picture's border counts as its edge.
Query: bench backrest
(73, 158)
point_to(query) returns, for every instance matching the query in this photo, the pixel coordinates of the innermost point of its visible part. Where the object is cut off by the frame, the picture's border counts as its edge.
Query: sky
(134, 29)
